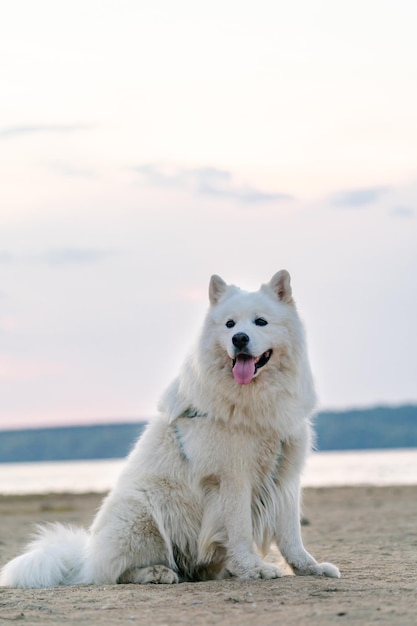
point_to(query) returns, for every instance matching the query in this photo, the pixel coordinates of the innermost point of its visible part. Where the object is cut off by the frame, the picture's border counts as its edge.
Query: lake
(323, 469)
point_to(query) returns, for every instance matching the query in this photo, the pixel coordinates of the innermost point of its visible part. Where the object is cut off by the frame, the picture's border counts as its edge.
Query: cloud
(76, 256)
(69, 171)
(206, 181)
(5, 257)
(402, 212)
(358, 198)
(59, 256)
(18, 131)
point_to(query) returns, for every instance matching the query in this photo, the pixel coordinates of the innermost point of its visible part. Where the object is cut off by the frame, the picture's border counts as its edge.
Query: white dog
(215, 479)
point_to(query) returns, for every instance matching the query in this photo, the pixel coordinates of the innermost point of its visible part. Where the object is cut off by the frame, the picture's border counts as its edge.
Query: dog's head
(250, 331)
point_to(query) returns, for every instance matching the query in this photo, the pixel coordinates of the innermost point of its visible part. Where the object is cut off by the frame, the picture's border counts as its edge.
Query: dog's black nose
(240, 340)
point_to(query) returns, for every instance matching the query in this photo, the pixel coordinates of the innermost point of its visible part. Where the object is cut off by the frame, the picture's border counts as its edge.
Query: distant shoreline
(356, 429)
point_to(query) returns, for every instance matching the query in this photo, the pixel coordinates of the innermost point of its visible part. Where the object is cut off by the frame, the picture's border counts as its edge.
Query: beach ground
(369, 532)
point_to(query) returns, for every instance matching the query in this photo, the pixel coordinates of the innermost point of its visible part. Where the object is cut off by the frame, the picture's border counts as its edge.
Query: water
(323, 469)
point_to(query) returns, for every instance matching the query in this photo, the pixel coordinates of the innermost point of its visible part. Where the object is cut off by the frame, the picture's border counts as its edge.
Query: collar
(192, 412)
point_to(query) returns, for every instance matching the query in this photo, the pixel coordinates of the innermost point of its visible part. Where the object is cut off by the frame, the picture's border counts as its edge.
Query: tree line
(356, 429)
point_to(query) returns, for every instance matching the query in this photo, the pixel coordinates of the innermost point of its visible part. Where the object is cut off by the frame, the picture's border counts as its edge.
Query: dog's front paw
(318, 569)
(328, 569)
(263, 570)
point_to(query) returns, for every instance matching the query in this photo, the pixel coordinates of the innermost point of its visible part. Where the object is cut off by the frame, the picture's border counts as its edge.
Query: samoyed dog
(215, 479)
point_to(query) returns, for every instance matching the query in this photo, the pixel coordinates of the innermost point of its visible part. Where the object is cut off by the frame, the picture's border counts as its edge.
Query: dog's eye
(230, 323)
(260, 321)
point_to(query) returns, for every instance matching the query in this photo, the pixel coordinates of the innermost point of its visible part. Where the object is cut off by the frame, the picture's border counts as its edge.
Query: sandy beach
(369, 532)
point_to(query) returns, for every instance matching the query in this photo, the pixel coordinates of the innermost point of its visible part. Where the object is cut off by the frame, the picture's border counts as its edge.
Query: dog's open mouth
(245, 366)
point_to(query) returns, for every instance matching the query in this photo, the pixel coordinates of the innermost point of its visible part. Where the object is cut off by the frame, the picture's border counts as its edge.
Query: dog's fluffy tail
(55, 556)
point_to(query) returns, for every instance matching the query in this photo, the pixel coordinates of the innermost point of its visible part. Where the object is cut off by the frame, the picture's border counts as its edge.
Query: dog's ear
(280, 283)
(217, 288)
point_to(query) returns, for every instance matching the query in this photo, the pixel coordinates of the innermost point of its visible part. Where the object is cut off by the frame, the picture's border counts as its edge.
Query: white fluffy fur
(203, 496)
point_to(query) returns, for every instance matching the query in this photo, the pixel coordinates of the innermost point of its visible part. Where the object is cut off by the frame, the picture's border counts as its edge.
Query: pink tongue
(244, 369)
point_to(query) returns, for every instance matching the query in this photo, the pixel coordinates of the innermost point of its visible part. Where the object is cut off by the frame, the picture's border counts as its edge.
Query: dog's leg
(290, 542)
(128, 546)
(288, 533)
(227, 520)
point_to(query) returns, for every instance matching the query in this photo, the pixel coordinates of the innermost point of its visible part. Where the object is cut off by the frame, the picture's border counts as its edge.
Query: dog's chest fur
(216, 449)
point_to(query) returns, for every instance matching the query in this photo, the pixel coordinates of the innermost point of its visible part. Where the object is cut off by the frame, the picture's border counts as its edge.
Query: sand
(369, 532)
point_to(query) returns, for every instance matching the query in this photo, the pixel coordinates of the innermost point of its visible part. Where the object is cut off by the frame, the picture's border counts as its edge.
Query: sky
(147, 145)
